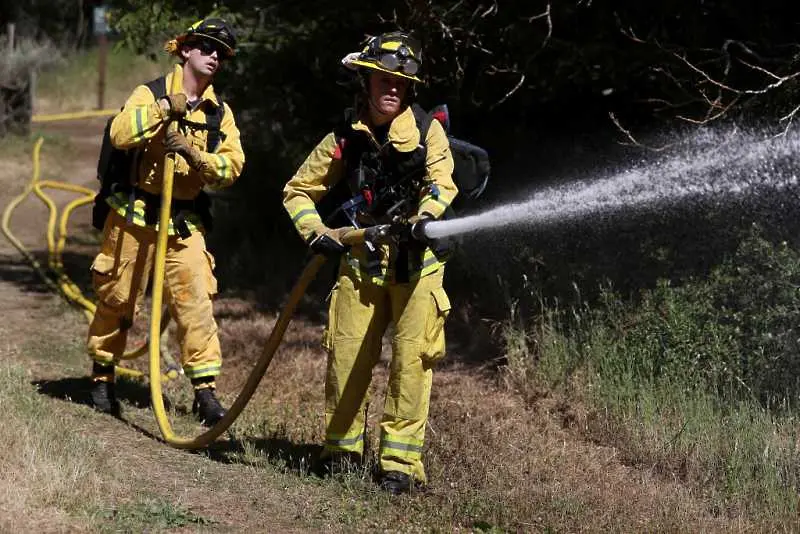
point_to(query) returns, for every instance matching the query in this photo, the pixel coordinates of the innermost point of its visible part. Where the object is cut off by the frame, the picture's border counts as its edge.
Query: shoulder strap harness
(382, 176)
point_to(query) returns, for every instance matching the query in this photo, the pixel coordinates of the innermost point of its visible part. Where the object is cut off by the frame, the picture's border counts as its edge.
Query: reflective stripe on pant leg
(191, 284)
(120, 273)
(203, 370)
(395, 446)
(410, 377)
(353, 442)
(357, 318)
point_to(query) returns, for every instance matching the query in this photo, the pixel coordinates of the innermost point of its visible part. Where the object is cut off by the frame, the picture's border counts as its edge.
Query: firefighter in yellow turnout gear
(127, 211)
(398, 282)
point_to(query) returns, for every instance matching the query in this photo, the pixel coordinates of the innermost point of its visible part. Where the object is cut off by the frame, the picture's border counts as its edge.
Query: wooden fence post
(16, 99)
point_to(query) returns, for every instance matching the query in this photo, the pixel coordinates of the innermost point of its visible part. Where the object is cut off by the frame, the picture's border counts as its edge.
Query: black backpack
(471, 162)
(117, 168)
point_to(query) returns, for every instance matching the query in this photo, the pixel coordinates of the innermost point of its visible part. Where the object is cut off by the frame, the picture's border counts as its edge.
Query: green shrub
(756, 296)
(734, 332)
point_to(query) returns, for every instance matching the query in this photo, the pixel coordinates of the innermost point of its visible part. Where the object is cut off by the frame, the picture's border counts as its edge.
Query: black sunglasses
(207, 47)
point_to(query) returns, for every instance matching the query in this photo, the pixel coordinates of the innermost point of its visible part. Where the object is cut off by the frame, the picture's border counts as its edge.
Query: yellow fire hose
(74, 115)
(276, 336)
(253, 379)
(64, 285)
(70, 290)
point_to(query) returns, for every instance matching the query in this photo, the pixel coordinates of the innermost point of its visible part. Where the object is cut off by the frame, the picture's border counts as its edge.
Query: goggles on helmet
(399, 61)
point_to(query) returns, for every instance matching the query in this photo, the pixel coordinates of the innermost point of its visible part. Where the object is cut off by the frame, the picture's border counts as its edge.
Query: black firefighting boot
(103, 396)
(336, 462)
(395, 482)
(206, 406)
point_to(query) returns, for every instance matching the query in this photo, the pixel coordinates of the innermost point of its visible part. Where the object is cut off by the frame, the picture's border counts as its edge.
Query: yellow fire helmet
(396, 53)
(213, 30)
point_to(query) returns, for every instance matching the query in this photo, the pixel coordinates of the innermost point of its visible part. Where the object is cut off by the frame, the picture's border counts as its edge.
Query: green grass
(20, 147)
(152, 514)
(58, 348)
(741, 456)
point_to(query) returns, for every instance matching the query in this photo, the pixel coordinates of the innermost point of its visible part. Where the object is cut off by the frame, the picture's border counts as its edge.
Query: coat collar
(208, 95)
(403, 132)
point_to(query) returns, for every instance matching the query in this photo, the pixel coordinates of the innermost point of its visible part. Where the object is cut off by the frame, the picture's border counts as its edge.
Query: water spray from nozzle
(716, 165)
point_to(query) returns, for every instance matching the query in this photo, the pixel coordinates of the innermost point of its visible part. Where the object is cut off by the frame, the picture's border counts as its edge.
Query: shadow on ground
(76, 390)
(295, 457)
(17, 270)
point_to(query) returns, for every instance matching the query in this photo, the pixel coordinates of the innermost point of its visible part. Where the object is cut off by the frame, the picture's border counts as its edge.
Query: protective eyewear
(397, 62)
(207, 47)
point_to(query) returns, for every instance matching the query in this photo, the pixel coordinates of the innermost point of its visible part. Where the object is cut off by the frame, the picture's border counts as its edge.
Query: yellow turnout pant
(360, 312)
(120, 274)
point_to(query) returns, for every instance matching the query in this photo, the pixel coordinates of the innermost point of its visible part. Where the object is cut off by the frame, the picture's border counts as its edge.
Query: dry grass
(737, 458)
(493, 461)
(72, 85)
(42, 465)
(49, 472)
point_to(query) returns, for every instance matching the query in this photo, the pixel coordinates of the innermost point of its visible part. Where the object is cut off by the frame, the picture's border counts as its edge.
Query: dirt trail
(485, 444)
(22, 293)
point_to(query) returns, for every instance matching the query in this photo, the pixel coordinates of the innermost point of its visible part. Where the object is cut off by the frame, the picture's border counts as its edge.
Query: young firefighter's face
(387, 92)
(203, 56)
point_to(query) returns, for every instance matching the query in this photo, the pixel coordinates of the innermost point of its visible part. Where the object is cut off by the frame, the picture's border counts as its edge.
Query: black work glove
(327, 242)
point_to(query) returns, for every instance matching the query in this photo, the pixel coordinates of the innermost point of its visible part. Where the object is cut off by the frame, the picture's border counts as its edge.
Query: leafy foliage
(697, 382)
(735, 332)
(56, 20)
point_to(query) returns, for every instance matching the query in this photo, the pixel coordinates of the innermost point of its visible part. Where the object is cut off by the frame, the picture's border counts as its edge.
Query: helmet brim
(188, 39)
(375, 66)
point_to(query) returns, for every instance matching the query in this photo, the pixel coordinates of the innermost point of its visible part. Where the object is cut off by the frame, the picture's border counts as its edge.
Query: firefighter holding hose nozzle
(394, 165)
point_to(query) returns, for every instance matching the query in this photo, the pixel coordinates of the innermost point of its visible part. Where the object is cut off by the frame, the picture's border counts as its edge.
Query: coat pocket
(434, 330)
(111, 279)
(330, 327)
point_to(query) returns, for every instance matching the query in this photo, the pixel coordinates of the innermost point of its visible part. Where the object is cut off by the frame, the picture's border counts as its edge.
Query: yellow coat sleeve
(441, 190)
(140, 119)
(221, 168)
(315, 177)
